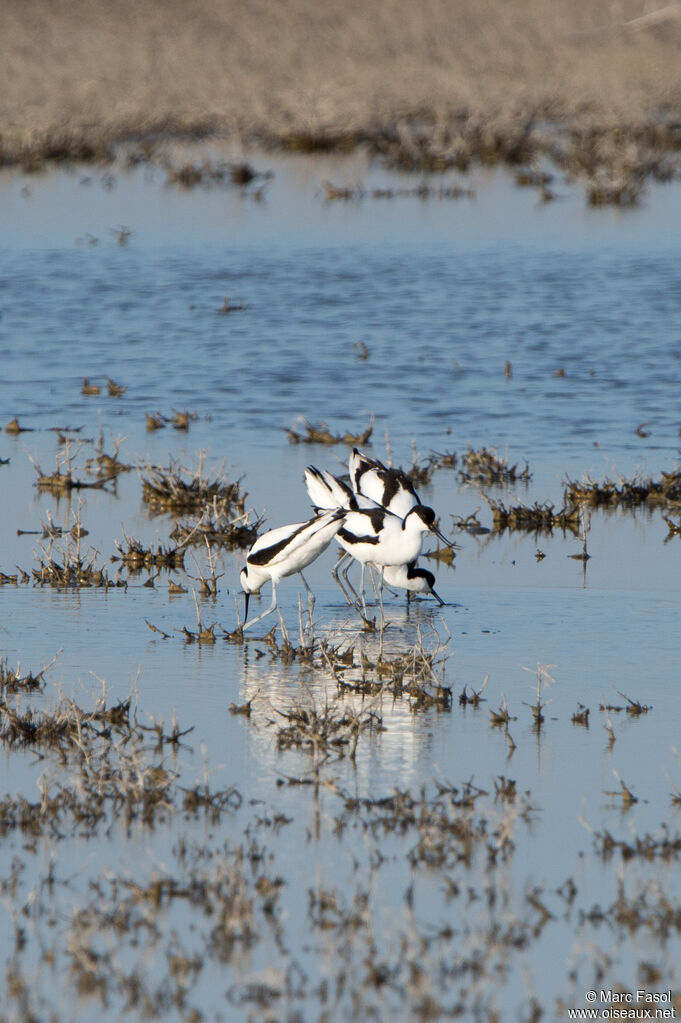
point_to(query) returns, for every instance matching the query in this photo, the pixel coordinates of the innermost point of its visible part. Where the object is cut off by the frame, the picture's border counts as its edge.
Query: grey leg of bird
(355, 596)
(344, 589)
(361, 590)
(381, 599)
(310, 596)
(345, 593)
(373, 582)
(339, 573)
(269, 610)
(343, 558)
(391, 591)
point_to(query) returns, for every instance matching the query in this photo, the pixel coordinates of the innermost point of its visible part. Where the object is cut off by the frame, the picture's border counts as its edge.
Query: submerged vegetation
(107, 776)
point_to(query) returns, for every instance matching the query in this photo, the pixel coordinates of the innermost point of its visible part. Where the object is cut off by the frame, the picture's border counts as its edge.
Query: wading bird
(377, 537)
(284, 551)
(389, 488)
(374, 533)
(411, 578)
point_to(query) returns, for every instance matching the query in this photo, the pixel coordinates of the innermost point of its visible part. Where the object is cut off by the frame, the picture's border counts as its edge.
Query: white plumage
(381, 538)
(384, 525)
(284, 551)
(387, 488)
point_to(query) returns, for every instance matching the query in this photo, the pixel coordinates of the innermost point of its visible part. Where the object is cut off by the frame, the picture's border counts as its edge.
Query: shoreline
(596, 93)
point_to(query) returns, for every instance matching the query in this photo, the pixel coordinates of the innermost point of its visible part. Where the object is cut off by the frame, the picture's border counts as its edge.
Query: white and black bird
(411, 578)
(285, 551)
(327, 491)
(380, 538)
(373, 533)
(386, 487)
(372, 482)
(372, 485)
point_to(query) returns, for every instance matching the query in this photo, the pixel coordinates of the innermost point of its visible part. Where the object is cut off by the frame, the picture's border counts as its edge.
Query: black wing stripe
(268, 554)
(352, 538)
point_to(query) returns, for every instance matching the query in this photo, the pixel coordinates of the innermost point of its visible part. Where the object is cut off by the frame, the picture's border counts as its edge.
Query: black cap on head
(426, 514)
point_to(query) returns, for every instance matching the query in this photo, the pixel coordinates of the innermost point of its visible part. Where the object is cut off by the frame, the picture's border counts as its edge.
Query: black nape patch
(420, 573)
(426, 514)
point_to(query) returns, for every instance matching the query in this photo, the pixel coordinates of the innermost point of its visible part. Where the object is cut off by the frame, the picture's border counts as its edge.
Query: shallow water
(442, 294)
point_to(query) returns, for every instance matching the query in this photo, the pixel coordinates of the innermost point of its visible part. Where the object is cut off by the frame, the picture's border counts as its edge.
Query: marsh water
(545, 331)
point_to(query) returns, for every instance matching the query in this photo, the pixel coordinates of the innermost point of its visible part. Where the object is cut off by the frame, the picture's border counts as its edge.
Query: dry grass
(182, 491)
(79, 75)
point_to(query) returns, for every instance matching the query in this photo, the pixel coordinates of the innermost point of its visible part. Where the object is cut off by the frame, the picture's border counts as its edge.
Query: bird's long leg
(343, 557)
(380, 593)
(346, 588)
(310, 597)
(373, 582)
(269, 610)
(340, 574)
(361, 590)
(391, 591)
(355, 596)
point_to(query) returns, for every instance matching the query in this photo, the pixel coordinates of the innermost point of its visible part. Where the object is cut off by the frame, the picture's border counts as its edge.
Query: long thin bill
(246, 599)
(446, 542)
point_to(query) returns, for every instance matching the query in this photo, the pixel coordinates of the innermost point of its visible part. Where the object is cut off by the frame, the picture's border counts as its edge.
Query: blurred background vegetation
(434, 84)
